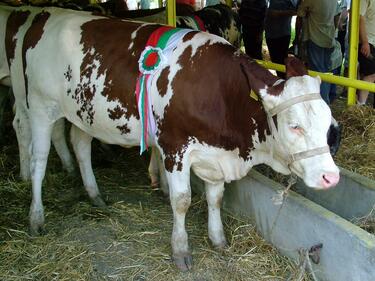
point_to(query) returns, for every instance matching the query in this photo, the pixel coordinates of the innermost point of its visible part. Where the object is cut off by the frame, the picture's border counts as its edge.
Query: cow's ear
(258, 78)
(295, 67)
(262, 81)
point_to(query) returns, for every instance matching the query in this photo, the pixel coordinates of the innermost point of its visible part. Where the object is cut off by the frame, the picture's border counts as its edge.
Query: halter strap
(308, 153)
(286, 104)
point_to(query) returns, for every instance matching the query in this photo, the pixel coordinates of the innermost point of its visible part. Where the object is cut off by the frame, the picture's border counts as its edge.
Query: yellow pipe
(171, 12)
(353, 51)
(327, 77)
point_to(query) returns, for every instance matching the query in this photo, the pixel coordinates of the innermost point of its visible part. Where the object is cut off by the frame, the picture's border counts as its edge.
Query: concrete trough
(352, 198)
(348, 251)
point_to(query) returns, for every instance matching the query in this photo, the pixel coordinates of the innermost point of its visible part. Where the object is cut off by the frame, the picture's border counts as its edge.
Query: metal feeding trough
(338, 249)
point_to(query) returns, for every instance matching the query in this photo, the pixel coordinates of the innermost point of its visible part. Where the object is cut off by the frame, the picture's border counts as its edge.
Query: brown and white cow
(86, 68)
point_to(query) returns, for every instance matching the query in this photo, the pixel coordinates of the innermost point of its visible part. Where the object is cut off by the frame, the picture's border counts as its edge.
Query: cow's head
(299, 121)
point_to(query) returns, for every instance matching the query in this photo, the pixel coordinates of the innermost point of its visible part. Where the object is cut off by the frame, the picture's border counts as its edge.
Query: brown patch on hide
(115, 54)
(123, 129)
(189, 36)
(162, 83)
(15, 20)
(116, 113)
(214, 108)
(68, 73)
(295, 67)
(276, 90)
(31, 39)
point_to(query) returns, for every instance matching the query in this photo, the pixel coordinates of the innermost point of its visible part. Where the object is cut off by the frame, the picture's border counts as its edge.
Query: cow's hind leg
(82, 148)
(180, 196)
(59, 142)
(214, 196)
(21, 125)
(41, 142)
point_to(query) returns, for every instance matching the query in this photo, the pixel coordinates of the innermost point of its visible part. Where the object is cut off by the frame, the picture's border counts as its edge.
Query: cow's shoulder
(211, 103)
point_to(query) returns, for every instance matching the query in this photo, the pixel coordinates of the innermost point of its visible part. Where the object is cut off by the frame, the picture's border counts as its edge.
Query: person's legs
(252, 38)
(333, 88)
(319, 60)
(278, 49)
(363, 94)
(367, 72)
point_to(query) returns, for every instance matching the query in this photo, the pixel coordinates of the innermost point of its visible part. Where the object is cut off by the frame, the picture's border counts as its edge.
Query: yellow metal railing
(351, 82)
(353, 48)
(328, 77)
(171, 12)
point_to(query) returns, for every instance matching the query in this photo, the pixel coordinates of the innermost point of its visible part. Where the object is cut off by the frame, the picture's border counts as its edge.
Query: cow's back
(95, 67)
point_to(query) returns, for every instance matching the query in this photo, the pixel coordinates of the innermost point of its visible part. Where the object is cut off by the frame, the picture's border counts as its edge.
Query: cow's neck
(266, 152)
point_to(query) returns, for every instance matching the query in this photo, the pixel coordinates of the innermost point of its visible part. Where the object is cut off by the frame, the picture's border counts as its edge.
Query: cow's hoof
(183, 263)
(98, 202)
(37, 230)
(154, 185)
(25, 176)
(221, 246)
(71, 170)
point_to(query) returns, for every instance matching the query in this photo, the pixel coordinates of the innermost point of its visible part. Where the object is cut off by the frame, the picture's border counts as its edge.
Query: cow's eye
(296, 129)
(295, 126)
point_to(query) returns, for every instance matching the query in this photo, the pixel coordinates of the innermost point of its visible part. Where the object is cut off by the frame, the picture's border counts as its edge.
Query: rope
(280, 198)
(304, 264)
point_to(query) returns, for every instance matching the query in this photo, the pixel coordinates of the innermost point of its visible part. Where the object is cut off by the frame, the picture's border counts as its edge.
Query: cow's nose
(330, 180)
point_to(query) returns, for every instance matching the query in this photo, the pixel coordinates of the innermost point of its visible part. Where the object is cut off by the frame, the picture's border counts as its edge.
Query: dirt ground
(127, 240)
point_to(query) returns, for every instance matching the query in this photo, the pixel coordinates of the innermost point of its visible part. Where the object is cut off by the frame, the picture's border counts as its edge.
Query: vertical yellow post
(229, 2)
(171, 12)
(353, 48)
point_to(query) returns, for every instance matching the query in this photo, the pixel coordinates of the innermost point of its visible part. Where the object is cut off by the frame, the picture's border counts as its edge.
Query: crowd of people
(321, 35)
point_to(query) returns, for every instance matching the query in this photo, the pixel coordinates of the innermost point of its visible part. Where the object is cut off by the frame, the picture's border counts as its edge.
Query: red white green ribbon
(153, 57)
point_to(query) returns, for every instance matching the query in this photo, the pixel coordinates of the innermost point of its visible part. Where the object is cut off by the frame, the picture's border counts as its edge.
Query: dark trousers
(278, 49)
(320, 60)
(252, 39)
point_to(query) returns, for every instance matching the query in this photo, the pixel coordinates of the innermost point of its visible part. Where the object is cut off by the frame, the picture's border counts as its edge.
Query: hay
(367, 222)
(128, 240)
(357, 150)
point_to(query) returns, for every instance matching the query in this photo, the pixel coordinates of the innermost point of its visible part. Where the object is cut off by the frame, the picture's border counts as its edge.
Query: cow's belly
(217, 165)
(95, 120)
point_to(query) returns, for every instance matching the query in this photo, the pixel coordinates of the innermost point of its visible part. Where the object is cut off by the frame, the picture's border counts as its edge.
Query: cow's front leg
(41, 131)
(59, 142)
(157, 172)
(214, 196)
(82, 148)
(153, 168)
(180, 196)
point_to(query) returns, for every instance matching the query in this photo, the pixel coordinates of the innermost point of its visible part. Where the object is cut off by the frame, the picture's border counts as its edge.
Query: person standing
(366, 54)
(278, 29)
(252, 14)
(318, 32)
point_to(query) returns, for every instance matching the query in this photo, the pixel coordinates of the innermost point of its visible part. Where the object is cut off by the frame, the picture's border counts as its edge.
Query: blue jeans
(320, 60)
